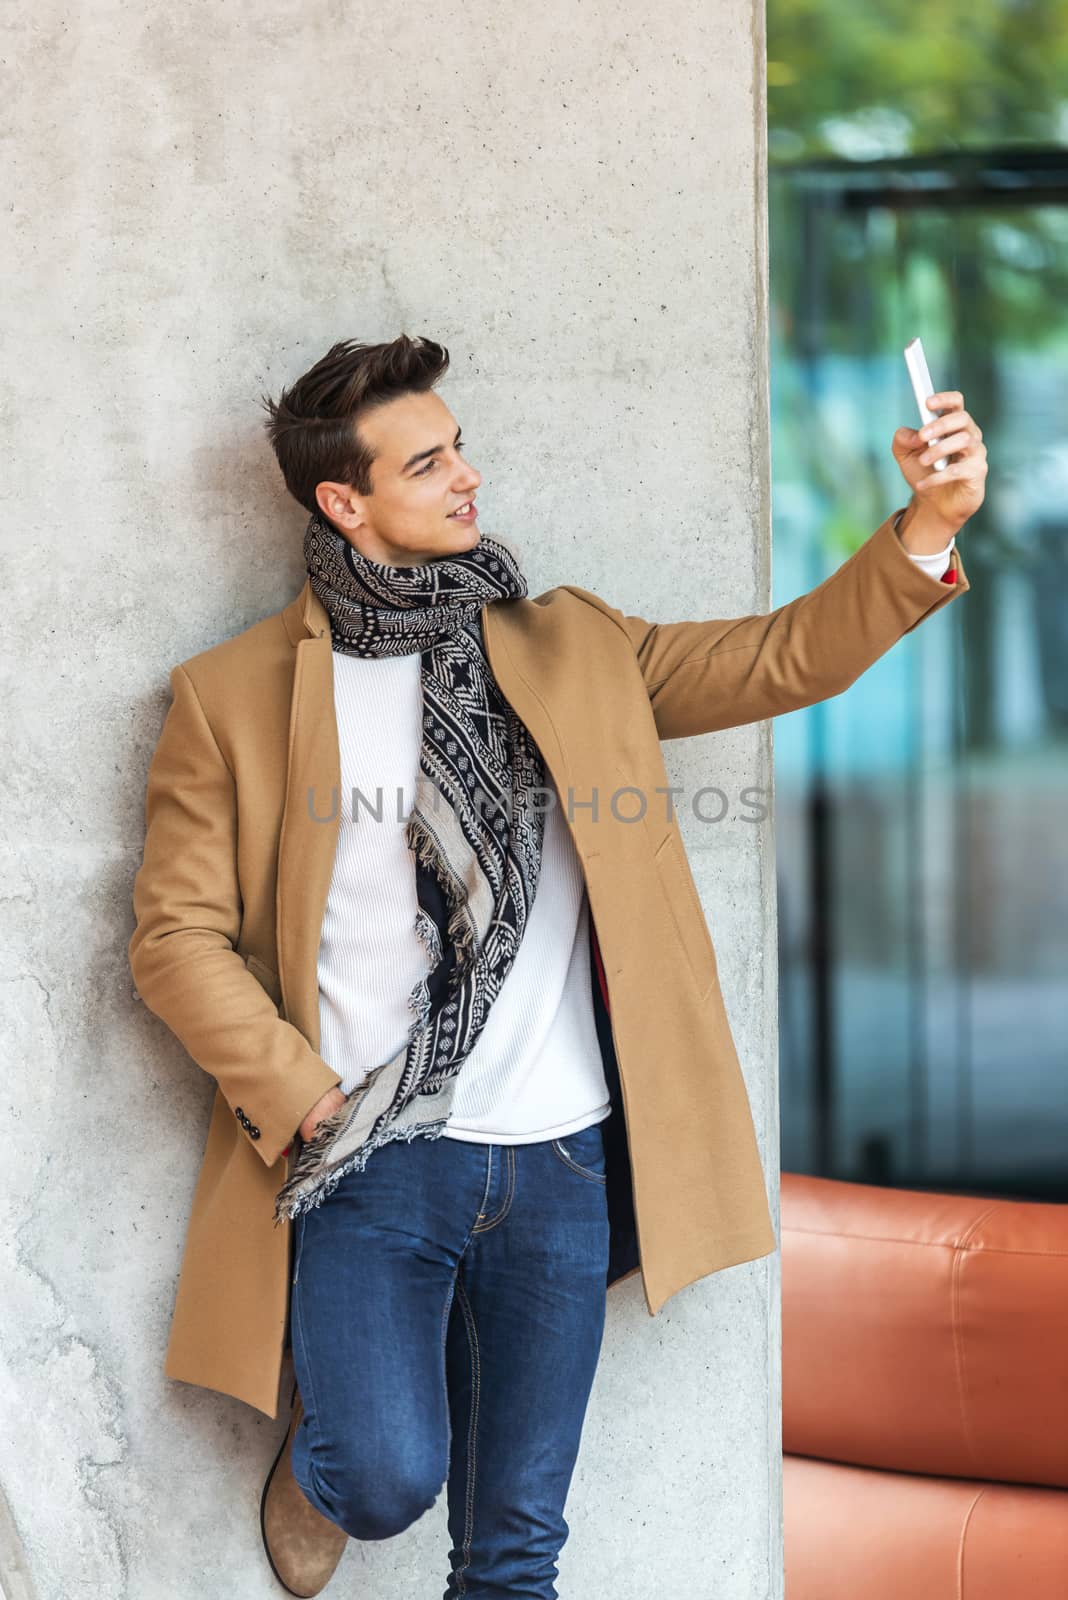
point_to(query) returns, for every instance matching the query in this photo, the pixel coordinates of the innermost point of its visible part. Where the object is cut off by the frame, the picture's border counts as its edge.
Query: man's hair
(312, 424)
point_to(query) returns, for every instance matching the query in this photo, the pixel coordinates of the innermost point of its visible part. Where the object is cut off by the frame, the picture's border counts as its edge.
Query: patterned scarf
(474, 831)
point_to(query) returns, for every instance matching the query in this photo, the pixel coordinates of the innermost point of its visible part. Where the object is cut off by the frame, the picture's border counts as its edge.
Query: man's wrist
(922, 531)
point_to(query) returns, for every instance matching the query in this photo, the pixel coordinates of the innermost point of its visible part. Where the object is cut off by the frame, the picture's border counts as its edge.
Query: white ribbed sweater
(536, 1071)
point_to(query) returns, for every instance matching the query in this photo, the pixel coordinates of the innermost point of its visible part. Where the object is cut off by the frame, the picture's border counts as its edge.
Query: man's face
(419, 478)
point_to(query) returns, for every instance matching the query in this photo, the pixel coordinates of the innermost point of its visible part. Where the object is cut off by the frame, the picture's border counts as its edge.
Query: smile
(464, 513)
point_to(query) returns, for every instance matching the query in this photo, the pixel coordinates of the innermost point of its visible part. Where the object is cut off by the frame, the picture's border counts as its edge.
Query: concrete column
(201, 198)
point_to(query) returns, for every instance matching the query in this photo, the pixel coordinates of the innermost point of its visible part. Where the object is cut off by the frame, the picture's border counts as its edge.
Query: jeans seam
(298, 1322)
(506, 1204)
(472, 1434)
(445, 1317)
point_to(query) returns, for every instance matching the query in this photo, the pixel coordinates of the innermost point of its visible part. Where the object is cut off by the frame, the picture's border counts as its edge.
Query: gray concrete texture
(199, 201)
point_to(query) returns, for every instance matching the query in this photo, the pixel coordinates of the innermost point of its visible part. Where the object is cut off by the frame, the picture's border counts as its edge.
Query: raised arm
(704, 676)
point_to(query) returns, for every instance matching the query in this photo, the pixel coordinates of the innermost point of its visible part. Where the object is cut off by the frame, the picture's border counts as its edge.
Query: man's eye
(461, 445)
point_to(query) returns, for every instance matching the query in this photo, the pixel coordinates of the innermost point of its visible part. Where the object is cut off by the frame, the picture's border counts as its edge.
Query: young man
(414, 894)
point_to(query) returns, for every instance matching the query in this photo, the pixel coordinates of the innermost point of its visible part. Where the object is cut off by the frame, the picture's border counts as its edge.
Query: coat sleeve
(705, 676)
(187, 904)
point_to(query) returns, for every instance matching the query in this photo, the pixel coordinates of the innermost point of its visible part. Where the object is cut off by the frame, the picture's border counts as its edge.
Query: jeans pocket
(583, 1152)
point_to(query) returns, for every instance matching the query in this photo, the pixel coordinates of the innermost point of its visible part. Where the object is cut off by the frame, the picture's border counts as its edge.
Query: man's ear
(340, 503)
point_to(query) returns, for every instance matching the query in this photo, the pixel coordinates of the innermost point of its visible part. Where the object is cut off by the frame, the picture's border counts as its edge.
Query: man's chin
(454, 544)
(464, 535)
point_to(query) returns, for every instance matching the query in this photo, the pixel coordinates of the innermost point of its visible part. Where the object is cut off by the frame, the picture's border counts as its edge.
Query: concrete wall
(201, 198)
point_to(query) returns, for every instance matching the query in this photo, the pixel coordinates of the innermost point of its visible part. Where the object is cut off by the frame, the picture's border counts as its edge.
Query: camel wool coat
(242, 819)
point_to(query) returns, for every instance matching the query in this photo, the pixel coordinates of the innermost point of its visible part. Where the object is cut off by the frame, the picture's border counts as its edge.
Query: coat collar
(305, 616)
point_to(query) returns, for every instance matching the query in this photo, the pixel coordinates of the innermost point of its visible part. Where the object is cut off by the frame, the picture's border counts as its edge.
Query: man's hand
(942, 501)
(331, 1101)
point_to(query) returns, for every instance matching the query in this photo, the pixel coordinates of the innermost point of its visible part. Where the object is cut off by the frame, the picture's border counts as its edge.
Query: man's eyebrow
(421, 455)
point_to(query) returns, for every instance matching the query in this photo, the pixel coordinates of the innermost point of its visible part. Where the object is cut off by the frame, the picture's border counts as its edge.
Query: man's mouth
(464, 513)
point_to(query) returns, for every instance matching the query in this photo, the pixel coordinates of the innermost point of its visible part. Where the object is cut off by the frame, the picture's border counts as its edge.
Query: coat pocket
(265, 977)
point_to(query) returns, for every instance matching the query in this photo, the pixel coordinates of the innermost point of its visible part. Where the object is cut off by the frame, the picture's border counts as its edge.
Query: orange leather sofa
(925, 1394)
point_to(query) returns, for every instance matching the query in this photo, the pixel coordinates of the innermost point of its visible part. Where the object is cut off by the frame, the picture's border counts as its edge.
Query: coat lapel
(312, 813)
(509, 629)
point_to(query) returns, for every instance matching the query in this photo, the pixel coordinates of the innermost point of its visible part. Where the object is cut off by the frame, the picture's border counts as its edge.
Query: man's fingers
(954, 420)
(940, 402)
(948, 446)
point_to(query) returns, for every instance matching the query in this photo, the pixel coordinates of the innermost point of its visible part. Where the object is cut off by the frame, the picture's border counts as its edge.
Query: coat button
(238, 1113)
(255, 1132)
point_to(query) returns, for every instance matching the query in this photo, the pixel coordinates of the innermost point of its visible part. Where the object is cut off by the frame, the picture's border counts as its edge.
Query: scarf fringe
(430, 938)
(290, 1200)
(459, 929)
(288, 1208)
(312, 1178)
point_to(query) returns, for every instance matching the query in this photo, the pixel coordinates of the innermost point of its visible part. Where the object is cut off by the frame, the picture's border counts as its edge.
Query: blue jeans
(447, 1309)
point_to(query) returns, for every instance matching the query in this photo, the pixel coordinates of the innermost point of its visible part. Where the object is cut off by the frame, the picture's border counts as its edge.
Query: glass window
(922, 816)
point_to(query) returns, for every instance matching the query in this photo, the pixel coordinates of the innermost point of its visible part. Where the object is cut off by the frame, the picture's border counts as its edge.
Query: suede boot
(302, 1545)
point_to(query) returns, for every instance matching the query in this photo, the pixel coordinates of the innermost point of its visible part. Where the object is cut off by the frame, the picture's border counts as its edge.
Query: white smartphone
(922, 386)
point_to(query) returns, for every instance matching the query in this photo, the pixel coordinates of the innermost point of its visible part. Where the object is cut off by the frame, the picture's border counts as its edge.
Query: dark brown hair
(312, 424)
